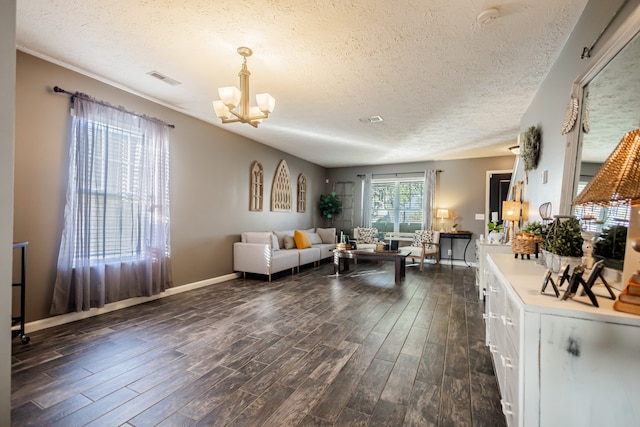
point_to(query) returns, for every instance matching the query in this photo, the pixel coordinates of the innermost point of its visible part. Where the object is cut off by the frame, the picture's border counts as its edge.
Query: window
(114, 198)
(116, 242)
(397, 204)
(602, 217)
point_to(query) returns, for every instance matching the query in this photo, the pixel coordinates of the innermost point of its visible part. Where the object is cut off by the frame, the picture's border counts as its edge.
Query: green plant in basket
(534, 228)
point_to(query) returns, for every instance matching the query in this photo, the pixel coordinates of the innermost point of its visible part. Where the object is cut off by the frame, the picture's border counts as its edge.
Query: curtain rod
(586, 51)
(58, 89)
(361, 176)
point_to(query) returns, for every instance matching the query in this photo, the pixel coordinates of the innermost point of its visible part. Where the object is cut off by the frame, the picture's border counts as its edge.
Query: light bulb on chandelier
(234, 102)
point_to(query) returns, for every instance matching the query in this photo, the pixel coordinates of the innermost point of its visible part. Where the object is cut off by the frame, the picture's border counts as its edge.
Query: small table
(398, 258)
(458, 235)
(20, 320)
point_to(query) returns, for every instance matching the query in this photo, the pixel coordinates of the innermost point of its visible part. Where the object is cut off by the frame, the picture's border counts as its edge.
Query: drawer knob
(506, 361)
(506, 320)
(506, 407)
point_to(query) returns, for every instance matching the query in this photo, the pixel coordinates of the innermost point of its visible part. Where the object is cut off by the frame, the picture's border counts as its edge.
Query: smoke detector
(488, 15)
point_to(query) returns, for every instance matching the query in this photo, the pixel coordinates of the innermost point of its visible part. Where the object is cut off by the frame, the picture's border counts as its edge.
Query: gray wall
(7, 123)
(460, 187)
(209, 180)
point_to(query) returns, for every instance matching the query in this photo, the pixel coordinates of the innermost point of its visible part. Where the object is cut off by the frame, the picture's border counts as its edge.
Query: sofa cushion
(328, 235)
(275, 245)
(260, 237)
(302, 239)
(366, 235)
(314, 238)
(280, 234)
(289, 243)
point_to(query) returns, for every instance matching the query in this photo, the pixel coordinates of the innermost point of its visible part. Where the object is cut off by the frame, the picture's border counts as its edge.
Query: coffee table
(398, 258)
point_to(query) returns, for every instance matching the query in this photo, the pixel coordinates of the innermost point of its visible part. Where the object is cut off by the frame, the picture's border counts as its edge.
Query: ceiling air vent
(167, 80)
(371, 119)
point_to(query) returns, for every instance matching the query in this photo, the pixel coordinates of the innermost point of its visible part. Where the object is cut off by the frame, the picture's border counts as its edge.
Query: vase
(555, 263)
(495, 237)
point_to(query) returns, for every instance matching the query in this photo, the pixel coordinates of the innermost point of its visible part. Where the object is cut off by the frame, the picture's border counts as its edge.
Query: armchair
(426, 243)
(365, 237)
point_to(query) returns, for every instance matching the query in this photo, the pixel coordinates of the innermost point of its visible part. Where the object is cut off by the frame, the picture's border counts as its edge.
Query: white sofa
(269, 252)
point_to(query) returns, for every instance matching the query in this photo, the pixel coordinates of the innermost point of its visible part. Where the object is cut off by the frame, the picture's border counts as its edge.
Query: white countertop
(526, 277)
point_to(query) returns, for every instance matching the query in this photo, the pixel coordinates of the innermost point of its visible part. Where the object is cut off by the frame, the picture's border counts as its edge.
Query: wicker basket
(343, 246)
(525, 243)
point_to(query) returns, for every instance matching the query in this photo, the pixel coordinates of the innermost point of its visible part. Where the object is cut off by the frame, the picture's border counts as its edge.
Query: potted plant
(534, 228)
(330, 205)
(564, 241)
(611, 245)
(454, 226)
(495, 232)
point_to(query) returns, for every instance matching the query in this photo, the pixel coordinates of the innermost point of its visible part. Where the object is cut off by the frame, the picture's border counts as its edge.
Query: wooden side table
(457, 235)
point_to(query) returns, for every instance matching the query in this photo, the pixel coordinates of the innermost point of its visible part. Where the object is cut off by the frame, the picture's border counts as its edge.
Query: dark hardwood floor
(310, 349)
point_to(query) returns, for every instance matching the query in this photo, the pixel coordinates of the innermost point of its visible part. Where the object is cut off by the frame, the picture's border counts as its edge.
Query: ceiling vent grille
(371, 119)
(167, 80)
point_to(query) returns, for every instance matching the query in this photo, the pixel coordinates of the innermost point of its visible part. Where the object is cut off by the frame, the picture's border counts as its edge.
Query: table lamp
(442, 214)
(511, 213)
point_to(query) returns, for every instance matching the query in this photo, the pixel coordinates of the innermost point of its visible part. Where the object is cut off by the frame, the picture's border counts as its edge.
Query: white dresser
(482, 249)
(559, 363)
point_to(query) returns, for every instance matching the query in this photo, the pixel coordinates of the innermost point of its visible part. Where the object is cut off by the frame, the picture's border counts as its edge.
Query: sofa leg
(269, 277)
(244, 275)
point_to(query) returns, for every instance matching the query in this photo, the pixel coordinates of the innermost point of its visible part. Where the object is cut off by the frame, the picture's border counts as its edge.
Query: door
(498, 192)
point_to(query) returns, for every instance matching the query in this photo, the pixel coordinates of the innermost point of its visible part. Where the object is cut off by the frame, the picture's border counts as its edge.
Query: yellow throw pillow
(302, 239)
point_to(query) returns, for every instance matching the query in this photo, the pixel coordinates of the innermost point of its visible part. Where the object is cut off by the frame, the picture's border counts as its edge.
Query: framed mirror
(609, 95)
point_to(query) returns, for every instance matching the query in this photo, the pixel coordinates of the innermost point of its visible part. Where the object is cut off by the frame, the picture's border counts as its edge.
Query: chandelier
(233, 105)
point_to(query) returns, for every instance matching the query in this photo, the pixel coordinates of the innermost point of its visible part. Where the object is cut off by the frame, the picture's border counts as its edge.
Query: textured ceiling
(446, 86)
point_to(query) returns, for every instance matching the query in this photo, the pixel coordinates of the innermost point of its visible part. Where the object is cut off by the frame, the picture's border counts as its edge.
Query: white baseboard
(458, 263)
(50, 322)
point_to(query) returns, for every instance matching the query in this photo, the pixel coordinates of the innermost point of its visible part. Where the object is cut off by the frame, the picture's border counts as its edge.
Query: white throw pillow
(314, 238)
(274, 242)
(328, 235)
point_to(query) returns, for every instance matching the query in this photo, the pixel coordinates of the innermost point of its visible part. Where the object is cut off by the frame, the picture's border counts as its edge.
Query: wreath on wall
(531, 148)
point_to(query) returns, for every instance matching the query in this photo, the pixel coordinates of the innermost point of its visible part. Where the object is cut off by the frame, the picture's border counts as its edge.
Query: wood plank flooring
(310, 349)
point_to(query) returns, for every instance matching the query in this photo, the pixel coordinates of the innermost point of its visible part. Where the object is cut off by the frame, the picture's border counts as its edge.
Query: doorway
(498, 183)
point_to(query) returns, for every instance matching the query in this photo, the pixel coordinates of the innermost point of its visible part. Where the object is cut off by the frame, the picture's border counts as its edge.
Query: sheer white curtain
(366, 201)
(115, 243)
(429, 198)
